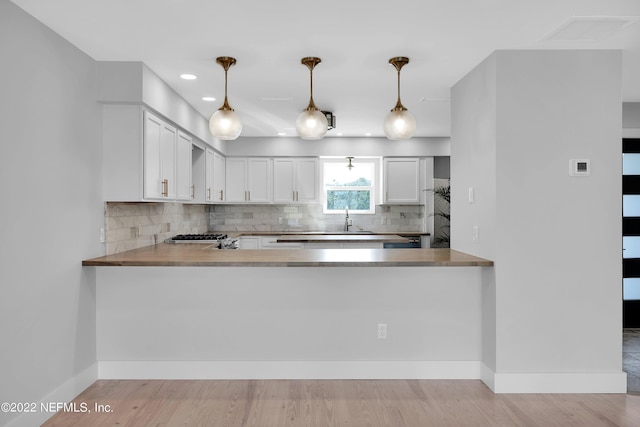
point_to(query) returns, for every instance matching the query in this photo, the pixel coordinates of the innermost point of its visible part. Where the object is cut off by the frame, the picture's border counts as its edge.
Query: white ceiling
(268, 86)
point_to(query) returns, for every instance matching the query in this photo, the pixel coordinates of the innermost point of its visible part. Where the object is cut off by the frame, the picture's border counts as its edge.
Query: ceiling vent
(590, 28)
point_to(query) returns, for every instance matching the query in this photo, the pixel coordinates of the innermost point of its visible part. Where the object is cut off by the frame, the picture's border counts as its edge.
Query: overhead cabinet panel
(401, 180)
(248, 180)
(159, 158)
(295, 180)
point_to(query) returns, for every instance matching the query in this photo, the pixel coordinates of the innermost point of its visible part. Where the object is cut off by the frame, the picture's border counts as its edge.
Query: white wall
(556, 239)
(154, 322)
(122, 82)
(51, 214)
(337, 146)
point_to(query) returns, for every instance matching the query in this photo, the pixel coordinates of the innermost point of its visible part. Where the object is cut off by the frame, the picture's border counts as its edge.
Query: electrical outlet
(102, 236)
(382, 331)
(475, 234)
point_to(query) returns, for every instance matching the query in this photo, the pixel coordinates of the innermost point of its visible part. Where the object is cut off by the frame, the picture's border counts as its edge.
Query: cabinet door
(235, 177)
(259, 180)
(159, 147)
(306, 180)
(283, 178)
(168, 138)
(209, 173)
(218, 177)
(401, 180)
(184, 191)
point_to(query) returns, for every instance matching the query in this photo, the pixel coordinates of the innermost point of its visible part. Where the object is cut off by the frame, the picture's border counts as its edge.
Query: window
(352, 189)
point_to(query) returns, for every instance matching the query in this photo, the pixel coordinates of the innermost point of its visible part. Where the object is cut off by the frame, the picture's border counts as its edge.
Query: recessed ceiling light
(367, 134)
(282, 133)
(208, 98)
(188, 76)
(339, 134)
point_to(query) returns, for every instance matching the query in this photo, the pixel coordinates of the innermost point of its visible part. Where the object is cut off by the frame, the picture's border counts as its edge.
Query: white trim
(595, 382)
(289, 370)
(631, 133)
(64, 393)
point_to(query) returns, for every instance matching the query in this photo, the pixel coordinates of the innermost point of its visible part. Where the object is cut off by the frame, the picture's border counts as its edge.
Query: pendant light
(400, 123)
(350, 165)
(225, 123)
(311, 123)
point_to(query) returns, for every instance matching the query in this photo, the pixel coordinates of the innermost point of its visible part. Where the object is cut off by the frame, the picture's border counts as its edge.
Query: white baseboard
(289, 370)
(596, 382)
(64, 393)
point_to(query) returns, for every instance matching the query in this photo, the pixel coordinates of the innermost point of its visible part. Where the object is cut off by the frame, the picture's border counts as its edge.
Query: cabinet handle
(248, 195)
(221, 194)
(297, 199)
(193, 191)
(165, 187)
(209, 193)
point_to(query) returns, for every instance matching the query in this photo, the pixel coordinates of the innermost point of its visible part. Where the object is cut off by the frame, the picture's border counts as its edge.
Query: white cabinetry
(214, 176)
(184, 187)
(144, 157)
(295, 180)
(265, 242)
(159, 148)
(401, 180)
(248, 179)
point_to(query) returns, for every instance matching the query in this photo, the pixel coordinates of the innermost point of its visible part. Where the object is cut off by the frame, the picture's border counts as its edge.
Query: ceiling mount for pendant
(311, 123)
(225, 122)
(400, 123)
(350, 165)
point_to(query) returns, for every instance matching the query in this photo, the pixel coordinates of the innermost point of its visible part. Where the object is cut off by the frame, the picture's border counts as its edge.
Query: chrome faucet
(346, 220)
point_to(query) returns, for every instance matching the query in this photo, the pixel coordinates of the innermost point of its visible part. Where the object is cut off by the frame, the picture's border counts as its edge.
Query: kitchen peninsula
(191, 311)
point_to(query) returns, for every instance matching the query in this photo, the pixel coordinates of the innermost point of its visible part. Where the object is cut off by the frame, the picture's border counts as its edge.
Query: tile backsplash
(387, 218)
(134, 225)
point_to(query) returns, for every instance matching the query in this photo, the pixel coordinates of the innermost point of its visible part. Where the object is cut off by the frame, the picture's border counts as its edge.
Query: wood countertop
(340, 238)
(204, 255)
(323, 233)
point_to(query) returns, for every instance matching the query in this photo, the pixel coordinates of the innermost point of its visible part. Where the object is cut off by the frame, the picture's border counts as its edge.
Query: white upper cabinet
(144, 157)
(219, 176)
(184, 187)
(401, 180)
(215, 176)
(159, 148)
(248, 179)
(295, 180)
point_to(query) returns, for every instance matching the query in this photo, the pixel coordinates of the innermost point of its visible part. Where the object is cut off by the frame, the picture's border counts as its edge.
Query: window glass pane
(348, 199)
(631, 205)
(631, 245)
(631, 164)
(631, 289)
(337, 174)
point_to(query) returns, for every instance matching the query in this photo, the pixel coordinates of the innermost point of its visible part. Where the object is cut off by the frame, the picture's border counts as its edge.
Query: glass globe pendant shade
(225, 124)
(399, 124)
(311, 124)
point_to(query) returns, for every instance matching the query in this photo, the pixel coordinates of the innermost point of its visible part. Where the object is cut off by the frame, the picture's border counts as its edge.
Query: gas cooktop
(196, 238)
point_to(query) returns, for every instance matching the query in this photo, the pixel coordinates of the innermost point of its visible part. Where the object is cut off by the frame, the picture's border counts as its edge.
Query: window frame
(374, 188)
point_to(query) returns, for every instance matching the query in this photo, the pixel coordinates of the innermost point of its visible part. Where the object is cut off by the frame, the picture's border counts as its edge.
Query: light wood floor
(396, 403)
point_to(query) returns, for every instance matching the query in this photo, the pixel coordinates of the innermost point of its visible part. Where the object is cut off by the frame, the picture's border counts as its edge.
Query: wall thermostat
(579, 167)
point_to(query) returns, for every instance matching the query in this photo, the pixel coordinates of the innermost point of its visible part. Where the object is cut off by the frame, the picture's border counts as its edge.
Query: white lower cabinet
(344, 245)
(265, 242)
